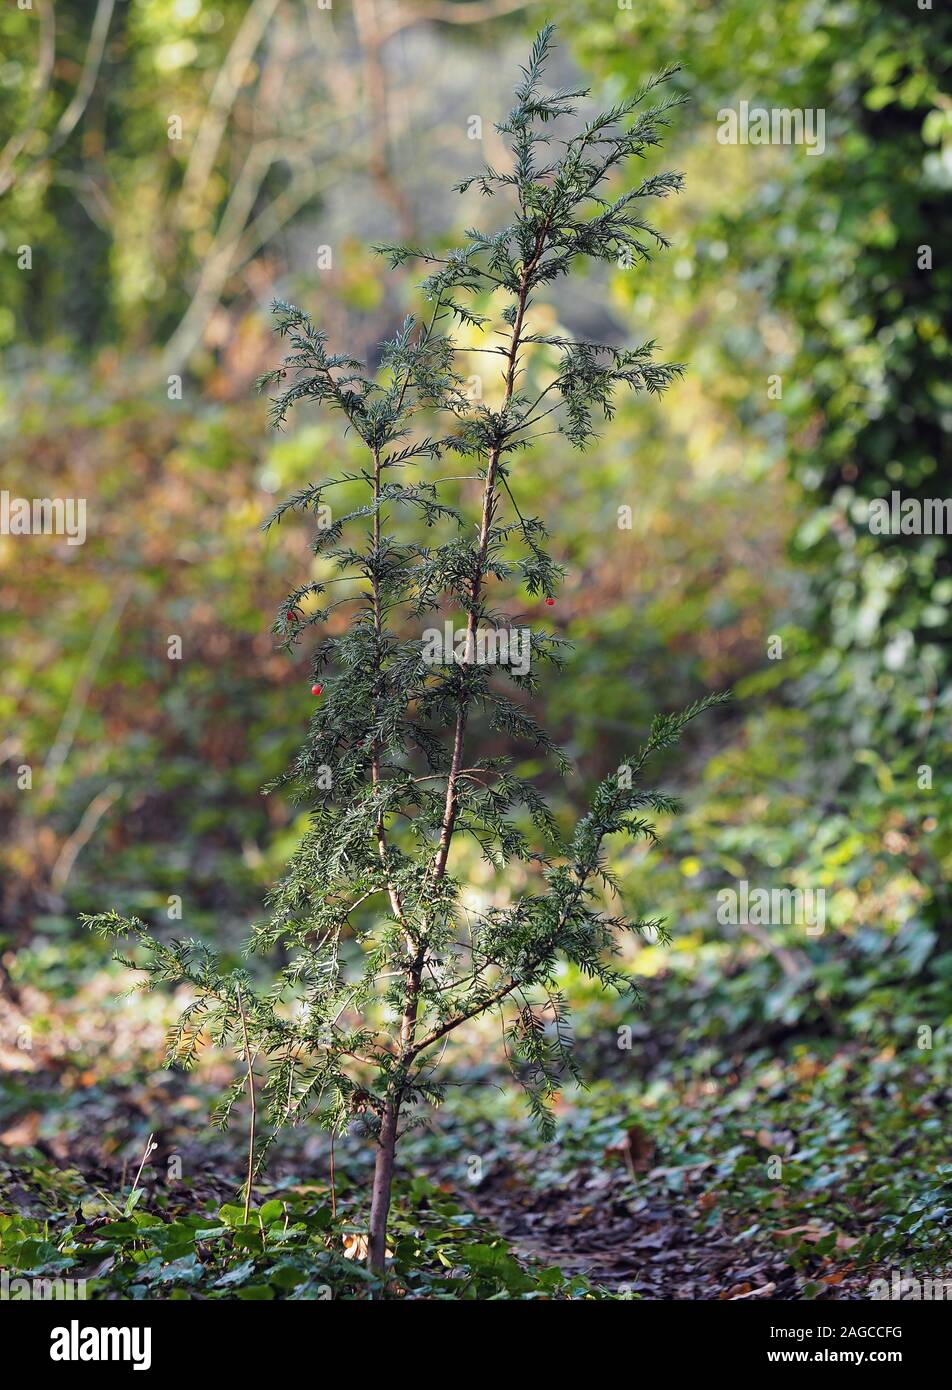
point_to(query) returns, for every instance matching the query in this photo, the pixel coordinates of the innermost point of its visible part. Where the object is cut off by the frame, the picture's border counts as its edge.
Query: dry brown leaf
(807, 1232)
(578, 1217)
(23, 1133)
(636, 1149)
(355, 1247)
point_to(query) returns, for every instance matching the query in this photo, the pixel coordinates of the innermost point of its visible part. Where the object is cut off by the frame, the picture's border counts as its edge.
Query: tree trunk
(383, 1182)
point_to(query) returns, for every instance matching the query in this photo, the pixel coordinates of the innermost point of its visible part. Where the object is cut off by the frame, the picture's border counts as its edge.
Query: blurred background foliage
(175, 165)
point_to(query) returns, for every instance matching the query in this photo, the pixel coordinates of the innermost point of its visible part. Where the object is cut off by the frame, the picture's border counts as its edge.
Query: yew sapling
(385, 960)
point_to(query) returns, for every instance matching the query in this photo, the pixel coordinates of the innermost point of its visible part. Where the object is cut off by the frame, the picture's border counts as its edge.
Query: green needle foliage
(384, 961)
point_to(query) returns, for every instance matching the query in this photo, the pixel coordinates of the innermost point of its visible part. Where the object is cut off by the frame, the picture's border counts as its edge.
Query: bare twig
(66, 732)
(84, 88)
(73, 113)
(150, 1147)
(83, 833)
(447, 12)
(227, 85)
(251, 1096)
(333, 1187)
(41, 86)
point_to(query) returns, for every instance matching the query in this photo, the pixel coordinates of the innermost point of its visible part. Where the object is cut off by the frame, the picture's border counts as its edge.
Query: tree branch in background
(41, 85)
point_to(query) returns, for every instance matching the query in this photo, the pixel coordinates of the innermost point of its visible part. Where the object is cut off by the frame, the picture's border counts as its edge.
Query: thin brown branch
(444, 12)
(251, 1096)
(488, 512)
(46, 58)
(225, 90)
(81, 836)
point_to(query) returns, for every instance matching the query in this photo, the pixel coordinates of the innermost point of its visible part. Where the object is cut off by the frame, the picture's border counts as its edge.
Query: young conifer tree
(385, 962)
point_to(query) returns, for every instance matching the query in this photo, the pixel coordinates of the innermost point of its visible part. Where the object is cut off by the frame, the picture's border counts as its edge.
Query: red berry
(316, 689)
(549, 602)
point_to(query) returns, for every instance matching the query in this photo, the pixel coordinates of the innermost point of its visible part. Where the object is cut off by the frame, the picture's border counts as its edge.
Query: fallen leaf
(23, 1133)
(636, 1149)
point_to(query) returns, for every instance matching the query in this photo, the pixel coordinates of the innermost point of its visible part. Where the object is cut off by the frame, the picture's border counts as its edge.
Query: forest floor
(591, 1227)
(69, 1159)
(645, 1249)
(797, 1171)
